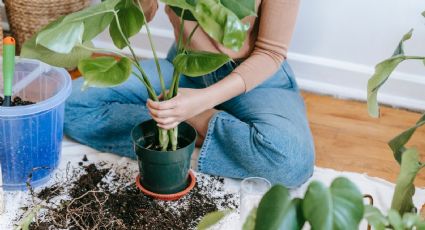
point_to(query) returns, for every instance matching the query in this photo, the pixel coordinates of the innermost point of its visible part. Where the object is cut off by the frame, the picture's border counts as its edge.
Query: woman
(249, 114)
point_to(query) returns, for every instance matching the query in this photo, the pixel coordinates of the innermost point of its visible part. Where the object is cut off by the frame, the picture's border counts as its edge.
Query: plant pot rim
(168, 197)
(159, 151)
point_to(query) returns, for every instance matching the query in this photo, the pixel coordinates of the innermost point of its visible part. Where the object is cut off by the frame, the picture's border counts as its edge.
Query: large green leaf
(339, 207)
(199, 63)
(375, 218)
(61, 38)
(131, 21)
(212, 218)
(31, 50)
(410, 220)
(382, 72)
(104, 71)
(220, 23)
(241, 8)
(276, 210)
(182, 4)
(77, 27)
(404, 189)
(397, 143)
(187, 14)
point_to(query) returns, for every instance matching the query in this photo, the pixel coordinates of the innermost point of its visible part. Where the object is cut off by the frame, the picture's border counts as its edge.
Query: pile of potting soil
(101, 196)
(17, 101)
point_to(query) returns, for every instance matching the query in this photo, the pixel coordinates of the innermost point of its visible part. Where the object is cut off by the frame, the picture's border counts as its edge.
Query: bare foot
(200, 123)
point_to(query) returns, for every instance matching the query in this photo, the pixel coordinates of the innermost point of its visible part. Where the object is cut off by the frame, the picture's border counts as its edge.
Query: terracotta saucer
(168, 197)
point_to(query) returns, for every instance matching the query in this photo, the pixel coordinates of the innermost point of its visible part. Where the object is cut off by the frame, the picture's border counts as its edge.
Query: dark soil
(99, 197)
(17, 101)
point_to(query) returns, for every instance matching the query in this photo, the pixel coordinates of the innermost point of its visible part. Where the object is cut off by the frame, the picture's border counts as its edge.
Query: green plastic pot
(163, 172)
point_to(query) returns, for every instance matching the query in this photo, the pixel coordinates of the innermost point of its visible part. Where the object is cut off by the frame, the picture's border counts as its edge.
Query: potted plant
(66, 42)
(340, 206)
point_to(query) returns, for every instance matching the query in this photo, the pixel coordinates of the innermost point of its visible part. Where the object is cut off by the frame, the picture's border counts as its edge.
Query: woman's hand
(187, 104)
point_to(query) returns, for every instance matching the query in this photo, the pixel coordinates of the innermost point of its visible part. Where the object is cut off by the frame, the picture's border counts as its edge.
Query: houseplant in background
(340, 206)
(67, 42)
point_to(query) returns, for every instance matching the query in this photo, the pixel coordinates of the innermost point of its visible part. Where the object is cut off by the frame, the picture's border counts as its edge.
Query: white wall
(336, 45)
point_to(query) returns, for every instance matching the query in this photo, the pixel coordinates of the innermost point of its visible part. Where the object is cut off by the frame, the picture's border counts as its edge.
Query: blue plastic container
(31, 136)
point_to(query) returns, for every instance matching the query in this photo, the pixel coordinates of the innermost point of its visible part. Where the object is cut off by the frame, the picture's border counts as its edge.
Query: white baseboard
(320, 75)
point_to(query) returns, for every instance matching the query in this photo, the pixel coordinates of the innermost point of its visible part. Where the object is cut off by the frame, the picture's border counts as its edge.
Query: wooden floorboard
(347, 139)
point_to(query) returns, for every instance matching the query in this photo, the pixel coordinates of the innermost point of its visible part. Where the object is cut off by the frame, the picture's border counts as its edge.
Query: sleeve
(149, 8)
(277, 21)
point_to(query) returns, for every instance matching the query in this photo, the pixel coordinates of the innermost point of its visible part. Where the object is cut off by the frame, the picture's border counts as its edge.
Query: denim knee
(291, 153)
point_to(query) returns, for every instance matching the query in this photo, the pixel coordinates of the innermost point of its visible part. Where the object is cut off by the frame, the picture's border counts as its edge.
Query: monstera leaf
(104, 71)
(199, 63)
(130, 19)
(337, 207)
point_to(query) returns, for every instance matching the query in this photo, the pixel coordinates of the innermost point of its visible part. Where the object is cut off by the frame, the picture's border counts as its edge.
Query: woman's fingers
(165, 121)
(160, 105)
(162, 113)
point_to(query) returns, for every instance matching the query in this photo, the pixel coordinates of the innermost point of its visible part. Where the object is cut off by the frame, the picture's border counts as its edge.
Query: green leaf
(339, 207)
(410, 220)
(395, 220)
(382, 72)
(250, 220)
(131, 21)
(400, 48)
(104, 71)
(241, 8)
(375, 218)
(77, 28)
(397, 144)
(404, 189)
(276, 209)
(182, 4)
(211, 219)
(187, 14)
(220, 23)
(31, 50)
(63, 38)
(199, 63)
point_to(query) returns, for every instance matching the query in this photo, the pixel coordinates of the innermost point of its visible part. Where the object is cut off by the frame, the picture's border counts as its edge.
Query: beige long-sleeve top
(265, 47)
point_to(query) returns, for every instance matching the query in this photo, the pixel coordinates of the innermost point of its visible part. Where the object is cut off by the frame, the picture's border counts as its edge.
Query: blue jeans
(263, 132)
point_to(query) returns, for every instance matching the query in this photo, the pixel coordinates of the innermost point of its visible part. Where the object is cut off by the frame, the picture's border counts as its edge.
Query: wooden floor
(347, 139)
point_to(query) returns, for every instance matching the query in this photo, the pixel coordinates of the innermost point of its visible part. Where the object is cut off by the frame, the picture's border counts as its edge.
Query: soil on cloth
(101, 196)
(17, 101)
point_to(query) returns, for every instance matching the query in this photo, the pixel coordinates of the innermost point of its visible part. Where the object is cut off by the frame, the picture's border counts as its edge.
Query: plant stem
(190, 36)
(173, 135)
(158, 66)
(180, 39)
(151, 92)
(414, 57)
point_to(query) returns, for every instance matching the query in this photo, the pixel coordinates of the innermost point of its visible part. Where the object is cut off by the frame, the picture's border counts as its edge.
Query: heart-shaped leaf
(220, 23)
(276, 209)
(71, 34)
(199, 63)
(131, 21)
(241, 8)
(182, 4)
(375, 218)
(383, 71)
(212, 218)
(397, 144)
(31, 50)
(104, 71)
(187, 14)
(404, 189)
(339, 207)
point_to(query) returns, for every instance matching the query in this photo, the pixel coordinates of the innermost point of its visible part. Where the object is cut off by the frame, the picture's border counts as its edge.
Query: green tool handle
(8, 64)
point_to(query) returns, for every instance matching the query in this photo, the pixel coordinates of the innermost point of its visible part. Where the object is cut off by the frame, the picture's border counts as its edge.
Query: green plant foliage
(130, 18)
(31, 50)
(104, 71)
(337, 207)
(212, 218)
(250, 220)
(241, 8)
(77, 28)
(198, 63)
(382, 72)
(404, 190)
(187, 14)
(395, 220)
(375, 218)
(397, 144)
(220, 23)
(276, 209)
